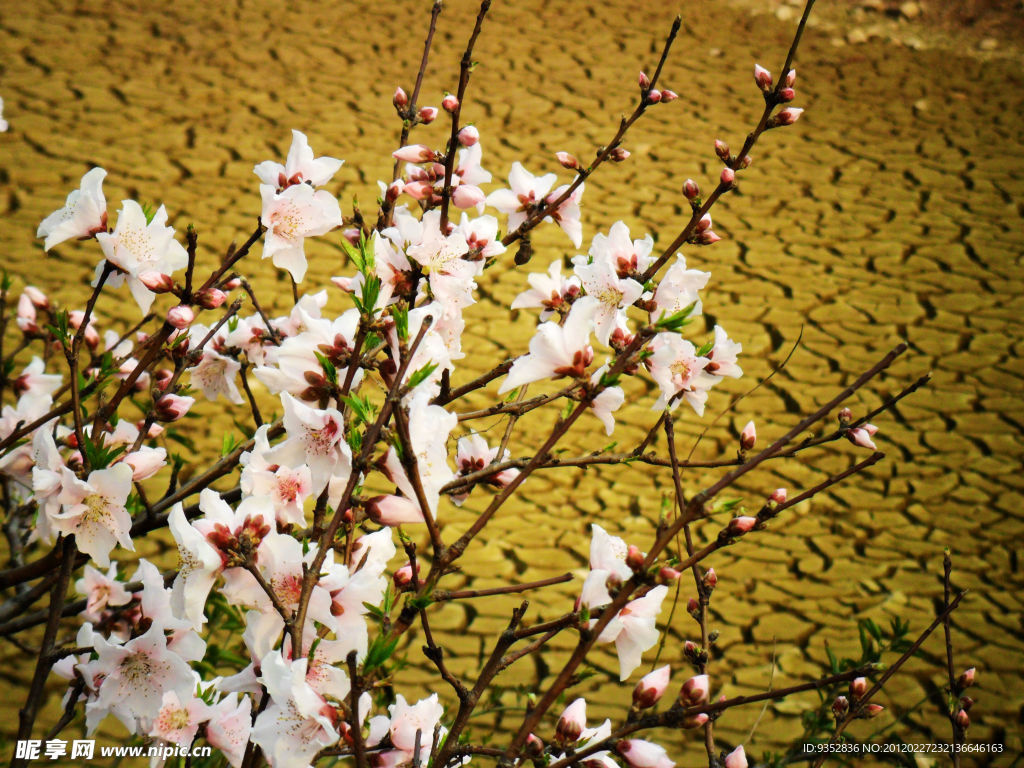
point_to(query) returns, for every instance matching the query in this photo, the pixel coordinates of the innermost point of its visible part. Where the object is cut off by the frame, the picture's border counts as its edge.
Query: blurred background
(892, 211)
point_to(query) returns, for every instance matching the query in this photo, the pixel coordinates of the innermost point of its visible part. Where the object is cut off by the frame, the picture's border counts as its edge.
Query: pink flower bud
(705, 223)
(873, 710)
(639, 753)
(572, 722)
(162, 378)
(92, 336)
(963, 720)
(404, 576)
(708, 238)
(786, 94)
(695, 691)
(154, 431)
(788, 116)
(840, 707)
(762, 77)
(858, 687)
(966, 679)
(653, 96)
(667, 96)
(172, 407)
(966, 702)
(157, 282)
(400, 99)
(181, 316)
(694, 721)
(748, 437)
(427, 115)
(691, 190)
(619, 154)
(778, 496)
(644, 80)
(736, 759)
(862, 437)
(690, 649)
(741, 525)
(145, 463)
(467, 196)
(534, 746)
(211, 298)
(450, 102)
(26, 315)
(419, 190)
(352, 234)
(746, 161)
(668, 575)
(693, 608)
(469, 136)
(722, 150)
(790, 79)
(651, 687)
(393, 510)
(728, 176)
(634, 557)
(395, 190)
(37, 297)
(710, 579)
(415, 153)
(567, 160)
(232, 284)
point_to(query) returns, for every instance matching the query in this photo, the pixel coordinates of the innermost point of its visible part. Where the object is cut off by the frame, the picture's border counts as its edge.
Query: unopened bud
(400, 99)
(962, 719)
(778, 496)
(427, 115)
(172, 407)
(741, 525)
(653, 96)
(419, 190)
(840, 707)
(467, 196)
(181, 316)
(691, 190)
(746, 161)
(694, 721)
(966, 679)
(450, 102)
(469, 136)
(395, 190)
(858, 687)
(790, 79)
(728, 177)
(705, 223)
(695, 691)
(737, 758)
(634, 557)
(708, 238)
(568, 161)
(667, 96)
(534, 746)
(710, 579)
(786, 94)
(668, 575)
(873, 710)
(966, 702)
(845, 416)
(157, 282)
(404, 576)
(645, 81)
(36, 296)
(861, 436)
(693, 608)
(571, 723)
(748, 437)
(619, 154)
(414, 153)
(162, 378)
(651, 687)
(762, 77)
(211, 298)
(786, 116)
(722, 150)
(232, 284)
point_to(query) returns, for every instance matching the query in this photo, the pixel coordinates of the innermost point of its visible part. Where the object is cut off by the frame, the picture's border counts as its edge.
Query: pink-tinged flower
(101, 590)
(393, 510)
(315, 439)
(450, 275)
(298, 723)
(608, 401)
(550, 291)
(525, 193)
(468, 168)
(34, 382)
(181, 316)
(199, 565)
(481, 233)
(83, 215)
(215, 376)
(679, 373)
(474, 454)
(607, 567)
(467, 196)
(633, 630)
(762, 77)
(557, 350)
(695, 691)
(678, 290)
(722, 357)
(748, 436)
(94, 511)
(407, 719)
(229, 726)
(651, 687)
(136, 676)
(737, 758)
(299, 167)
(290, 217)
(75, 320)
(741, 525)
(137, 246)
(173, 407)
(567, 214)
(572, 722)
(600, 279)
(644, 754)
(178, 721)
(415, 153)
(286, 487)
(862, 435)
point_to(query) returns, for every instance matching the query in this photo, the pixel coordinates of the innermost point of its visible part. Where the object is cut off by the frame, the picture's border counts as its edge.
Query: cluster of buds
(654, 95)
(424, 115)
(781, 95)
(704, 234)
(963, 682)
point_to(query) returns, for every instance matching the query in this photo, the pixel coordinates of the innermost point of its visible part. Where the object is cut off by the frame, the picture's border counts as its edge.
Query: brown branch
(463, 594)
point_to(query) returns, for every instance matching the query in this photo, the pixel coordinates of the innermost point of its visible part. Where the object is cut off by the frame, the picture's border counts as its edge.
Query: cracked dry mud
(892, 211)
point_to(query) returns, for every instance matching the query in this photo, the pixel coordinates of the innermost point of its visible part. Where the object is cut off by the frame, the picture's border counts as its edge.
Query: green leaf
(380, 650)
(705, 348)
(677, 320)
(418, 377)
(330, 371)
(400, 314)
